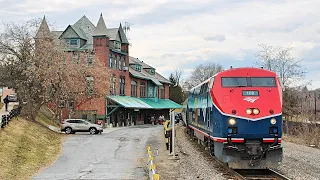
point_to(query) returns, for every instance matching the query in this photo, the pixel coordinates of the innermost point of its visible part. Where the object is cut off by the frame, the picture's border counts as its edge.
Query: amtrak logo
(251, 99)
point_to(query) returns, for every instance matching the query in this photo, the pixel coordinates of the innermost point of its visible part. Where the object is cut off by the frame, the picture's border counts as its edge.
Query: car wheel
(68, 130)
(92, 130)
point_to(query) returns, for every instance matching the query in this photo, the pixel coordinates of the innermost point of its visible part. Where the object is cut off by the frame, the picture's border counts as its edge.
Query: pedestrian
(152, 119)
(6, 102)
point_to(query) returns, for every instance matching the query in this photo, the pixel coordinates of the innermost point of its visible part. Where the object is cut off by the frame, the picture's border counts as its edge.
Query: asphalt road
(120, 154)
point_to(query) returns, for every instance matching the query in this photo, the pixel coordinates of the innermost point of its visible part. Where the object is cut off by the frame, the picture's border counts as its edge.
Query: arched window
(133, 88)
(142, 89)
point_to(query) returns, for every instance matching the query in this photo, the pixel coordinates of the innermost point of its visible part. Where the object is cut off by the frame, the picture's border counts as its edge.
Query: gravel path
(300, 162)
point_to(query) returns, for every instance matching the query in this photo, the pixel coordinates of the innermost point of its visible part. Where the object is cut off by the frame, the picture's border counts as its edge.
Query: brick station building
(136, 91)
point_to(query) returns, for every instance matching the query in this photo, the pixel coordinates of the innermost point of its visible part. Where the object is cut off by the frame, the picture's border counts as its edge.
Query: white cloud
(182, 33)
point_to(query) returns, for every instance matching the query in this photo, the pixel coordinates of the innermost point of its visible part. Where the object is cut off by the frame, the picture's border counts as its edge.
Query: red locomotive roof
(227, 99)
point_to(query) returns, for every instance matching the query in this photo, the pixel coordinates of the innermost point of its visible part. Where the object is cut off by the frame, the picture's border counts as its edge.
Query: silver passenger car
(71, 126)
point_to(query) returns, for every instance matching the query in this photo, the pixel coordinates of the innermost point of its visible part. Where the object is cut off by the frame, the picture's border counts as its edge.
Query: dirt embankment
(25, 148)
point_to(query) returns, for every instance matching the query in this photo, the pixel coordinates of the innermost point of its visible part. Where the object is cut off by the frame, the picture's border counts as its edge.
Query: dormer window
(138, 67)
(72, 42)
(152, 71)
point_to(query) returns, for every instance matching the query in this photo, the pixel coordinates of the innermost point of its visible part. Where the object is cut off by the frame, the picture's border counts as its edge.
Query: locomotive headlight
(232, 121)
(273, 121)
(249, 111)
(256, 111)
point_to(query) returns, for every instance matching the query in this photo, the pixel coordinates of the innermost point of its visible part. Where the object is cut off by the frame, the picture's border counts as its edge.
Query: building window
(113, 83)
(138, 67)
(162, 92)
(142, 89)
(90, 85)
(110, 61)
(117, 45)
(73, 42)
(122, 86)
(124, 61)
(120, 63)
(89, 59)
(133, 88)
(115, 61)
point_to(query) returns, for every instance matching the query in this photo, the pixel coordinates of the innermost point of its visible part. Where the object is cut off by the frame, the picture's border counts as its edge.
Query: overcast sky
(169, 34)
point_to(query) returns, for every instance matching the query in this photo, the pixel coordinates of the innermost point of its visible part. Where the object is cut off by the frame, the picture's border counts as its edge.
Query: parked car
(13, 97)
(71, 126)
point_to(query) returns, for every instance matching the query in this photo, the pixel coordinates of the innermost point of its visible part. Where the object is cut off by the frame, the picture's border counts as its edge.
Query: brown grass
(44, 120)
(304, 134)
(25, 148)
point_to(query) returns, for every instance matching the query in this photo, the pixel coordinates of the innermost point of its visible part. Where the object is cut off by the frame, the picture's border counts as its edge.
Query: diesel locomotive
(237, 114)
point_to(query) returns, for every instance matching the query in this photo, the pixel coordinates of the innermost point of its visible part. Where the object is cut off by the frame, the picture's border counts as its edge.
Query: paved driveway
(120, 154)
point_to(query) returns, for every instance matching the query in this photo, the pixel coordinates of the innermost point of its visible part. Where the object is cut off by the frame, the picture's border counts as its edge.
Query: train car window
(263, 82)
(234, 82)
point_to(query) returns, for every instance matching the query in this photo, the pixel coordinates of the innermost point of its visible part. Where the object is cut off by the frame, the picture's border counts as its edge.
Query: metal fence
(7, 118)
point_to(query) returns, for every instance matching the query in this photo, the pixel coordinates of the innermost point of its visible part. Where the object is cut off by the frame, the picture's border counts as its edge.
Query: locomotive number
(250, 93)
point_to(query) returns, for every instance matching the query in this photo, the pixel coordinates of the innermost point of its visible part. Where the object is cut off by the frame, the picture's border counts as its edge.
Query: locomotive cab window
(263, 82)
(234, 82)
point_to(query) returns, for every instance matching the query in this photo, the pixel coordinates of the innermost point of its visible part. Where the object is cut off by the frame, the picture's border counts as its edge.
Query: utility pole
(174, 157)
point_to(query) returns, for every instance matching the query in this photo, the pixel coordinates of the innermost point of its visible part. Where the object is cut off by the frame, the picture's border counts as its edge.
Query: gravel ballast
(300, 162)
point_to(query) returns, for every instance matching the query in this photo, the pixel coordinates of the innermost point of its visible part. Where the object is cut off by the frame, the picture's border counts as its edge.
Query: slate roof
(112, 33)
(101, 29)
(80, 32)
(85, 29)
(143, 74)
(43, 31)
(123, 35)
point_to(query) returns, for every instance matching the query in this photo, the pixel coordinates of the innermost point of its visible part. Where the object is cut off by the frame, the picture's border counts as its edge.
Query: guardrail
(151, 166)
(7, 118)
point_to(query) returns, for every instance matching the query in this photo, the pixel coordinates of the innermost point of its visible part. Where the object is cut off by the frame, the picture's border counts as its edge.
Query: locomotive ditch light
(232, 121)
(256, 111)
(273, 121)
(249, 111)
(273, 130)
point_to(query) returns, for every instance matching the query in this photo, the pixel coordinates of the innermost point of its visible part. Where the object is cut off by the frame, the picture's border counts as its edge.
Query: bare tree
(280, 60)
(201, 73)
(41, 72)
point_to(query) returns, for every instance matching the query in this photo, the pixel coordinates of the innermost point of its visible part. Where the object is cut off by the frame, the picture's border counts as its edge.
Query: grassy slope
(26, 147)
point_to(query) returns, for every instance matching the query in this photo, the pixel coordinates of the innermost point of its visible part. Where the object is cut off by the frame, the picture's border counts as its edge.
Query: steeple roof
(101, 29)
(44, 31)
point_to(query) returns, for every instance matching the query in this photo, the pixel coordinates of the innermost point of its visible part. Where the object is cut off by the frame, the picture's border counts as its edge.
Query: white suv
(71, 126)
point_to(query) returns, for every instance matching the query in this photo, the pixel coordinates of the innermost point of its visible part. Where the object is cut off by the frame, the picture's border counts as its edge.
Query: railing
(151, 166)
(7, 118)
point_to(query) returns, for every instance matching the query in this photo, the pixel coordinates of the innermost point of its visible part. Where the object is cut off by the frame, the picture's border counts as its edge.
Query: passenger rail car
(237, 113)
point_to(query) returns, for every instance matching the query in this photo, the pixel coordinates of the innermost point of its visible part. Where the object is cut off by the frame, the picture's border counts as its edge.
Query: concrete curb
(151, 166)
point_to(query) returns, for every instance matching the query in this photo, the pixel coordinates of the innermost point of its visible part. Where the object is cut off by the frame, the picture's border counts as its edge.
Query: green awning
(156, 103)
(144, 103)
(129, 102)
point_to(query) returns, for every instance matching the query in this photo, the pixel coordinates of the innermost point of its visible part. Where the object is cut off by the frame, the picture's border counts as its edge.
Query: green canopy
(144, 103)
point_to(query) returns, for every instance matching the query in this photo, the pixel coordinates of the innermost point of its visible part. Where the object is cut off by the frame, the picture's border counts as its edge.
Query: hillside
(27, 147)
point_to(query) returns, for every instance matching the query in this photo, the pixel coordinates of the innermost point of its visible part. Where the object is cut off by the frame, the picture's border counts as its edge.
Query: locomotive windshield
(248, 82)
(234, 82)
(263, 82)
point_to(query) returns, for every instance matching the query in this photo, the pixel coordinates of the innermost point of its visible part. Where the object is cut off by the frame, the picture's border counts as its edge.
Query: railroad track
(249, 174)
